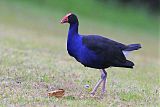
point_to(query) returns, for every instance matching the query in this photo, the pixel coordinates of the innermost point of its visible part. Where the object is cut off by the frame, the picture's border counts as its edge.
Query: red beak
(65, 18)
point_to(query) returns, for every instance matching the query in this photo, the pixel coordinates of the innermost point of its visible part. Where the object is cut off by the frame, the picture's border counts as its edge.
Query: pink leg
(96, 87)
(103, 79)
(104, 82)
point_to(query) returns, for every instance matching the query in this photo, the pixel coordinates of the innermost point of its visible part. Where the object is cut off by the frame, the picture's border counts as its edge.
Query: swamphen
(96, 51)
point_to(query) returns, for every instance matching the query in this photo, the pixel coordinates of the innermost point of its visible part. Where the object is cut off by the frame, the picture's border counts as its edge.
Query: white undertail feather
(125, 53)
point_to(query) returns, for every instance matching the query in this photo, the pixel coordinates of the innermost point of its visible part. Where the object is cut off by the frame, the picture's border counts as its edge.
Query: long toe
(96, 87)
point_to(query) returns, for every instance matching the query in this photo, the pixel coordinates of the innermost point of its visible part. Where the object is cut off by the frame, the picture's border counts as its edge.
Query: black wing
(106, 48)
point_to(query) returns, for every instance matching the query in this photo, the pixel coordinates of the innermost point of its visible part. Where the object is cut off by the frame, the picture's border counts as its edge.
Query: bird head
(69, 18)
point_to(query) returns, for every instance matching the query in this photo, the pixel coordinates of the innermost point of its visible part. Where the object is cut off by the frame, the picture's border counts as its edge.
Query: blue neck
(73, 30)
(73, 40)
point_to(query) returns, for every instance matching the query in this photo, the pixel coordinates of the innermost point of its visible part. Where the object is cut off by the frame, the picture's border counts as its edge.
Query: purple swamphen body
(96, 51)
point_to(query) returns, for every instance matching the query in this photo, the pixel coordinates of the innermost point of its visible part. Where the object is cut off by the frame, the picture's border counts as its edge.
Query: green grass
(34, 61)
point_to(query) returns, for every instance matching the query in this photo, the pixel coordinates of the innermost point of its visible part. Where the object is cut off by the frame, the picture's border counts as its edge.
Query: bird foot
(92, 94)
(102, 94)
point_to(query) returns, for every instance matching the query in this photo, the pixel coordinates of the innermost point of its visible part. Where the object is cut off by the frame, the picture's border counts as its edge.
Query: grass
(98, 11)
(34, 61)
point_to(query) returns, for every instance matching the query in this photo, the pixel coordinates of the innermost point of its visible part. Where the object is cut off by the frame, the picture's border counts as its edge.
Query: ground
(34, 61)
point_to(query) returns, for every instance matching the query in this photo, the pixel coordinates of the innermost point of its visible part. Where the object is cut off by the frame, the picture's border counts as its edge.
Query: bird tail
(132, 47)
(129, 64)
